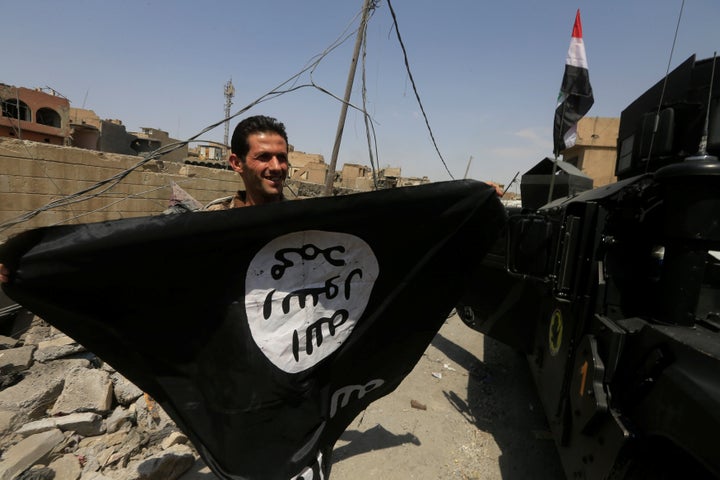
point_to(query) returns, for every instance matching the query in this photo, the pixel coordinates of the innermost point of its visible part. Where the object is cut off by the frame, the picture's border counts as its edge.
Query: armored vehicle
(614, 294)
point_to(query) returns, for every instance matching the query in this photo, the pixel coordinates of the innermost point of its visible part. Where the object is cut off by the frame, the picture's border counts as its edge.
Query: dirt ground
(482, 420)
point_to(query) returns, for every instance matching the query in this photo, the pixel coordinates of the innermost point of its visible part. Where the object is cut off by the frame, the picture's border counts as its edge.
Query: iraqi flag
(263, 331)
(576, 96)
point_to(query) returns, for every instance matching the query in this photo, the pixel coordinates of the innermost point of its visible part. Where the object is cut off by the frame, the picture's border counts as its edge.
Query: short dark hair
(257, 124)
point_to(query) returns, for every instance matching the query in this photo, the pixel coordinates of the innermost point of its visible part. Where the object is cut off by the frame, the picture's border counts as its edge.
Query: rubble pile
(67, 415)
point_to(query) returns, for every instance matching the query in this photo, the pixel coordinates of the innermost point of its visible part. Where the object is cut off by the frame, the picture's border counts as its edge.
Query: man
(259, 149)
(260, 155)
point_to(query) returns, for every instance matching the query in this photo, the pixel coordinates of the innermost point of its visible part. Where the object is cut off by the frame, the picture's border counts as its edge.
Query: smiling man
(260, 155)
(259, 149)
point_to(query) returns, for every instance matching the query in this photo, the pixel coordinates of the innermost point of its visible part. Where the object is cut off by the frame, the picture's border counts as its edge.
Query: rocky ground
(467, 411)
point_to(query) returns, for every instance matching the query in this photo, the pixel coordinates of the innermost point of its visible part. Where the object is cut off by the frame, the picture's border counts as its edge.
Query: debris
(16, 359)
(437, 374)
(25, 453)
(72, 418)
(150, 402)
(85, 389)
(87, 424)
(418, 405)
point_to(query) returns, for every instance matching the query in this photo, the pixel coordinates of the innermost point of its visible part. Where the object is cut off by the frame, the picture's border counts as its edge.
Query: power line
(289, 85)
(417, 95)
(97, 189)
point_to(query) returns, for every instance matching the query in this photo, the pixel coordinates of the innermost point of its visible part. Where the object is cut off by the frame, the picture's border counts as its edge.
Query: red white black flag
(263, 331)
(576, 96)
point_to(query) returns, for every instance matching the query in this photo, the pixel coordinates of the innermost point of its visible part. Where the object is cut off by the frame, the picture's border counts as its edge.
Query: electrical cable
(287, 86)
(417, 95)
(366, 118)
(103, 186)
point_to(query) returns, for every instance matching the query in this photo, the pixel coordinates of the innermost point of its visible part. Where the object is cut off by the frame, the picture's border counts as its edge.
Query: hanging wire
(369, 124)
(417, 95)
(287, 86)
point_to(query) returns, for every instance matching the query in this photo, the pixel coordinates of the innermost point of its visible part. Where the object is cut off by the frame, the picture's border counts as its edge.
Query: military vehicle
(613, 294)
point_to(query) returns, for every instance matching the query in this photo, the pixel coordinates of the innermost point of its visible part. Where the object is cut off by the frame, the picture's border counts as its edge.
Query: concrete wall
(350, 174)
(595, 150)
(155, 135)
(599, 164)
(598, 131)
(35, 174)
(307, 167)
(115, 138)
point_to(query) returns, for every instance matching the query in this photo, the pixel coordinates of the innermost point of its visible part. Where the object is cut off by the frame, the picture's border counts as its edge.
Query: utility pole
(467, 169)
(229, 94)
(348, 90)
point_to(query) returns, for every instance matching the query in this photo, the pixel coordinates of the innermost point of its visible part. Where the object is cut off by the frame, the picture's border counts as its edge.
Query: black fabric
(163, 300)
(577, 99)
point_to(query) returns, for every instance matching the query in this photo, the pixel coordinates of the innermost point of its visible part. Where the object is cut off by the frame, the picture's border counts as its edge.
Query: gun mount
(614, 295)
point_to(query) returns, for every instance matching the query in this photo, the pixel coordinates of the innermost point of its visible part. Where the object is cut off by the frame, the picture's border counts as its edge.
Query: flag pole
(554, 169)
(552, 179)
(575, 95)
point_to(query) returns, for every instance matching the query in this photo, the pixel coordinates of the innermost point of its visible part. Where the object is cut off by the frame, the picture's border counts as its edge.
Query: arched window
(15, 108)
(48, 116)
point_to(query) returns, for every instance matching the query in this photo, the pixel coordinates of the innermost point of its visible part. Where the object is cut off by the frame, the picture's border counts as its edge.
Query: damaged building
(34, 115)
(44, 115)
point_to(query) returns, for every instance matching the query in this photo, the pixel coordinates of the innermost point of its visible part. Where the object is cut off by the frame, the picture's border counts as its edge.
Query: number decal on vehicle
(583, 377)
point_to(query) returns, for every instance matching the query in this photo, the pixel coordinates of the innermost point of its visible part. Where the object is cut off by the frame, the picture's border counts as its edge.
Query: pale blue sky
(488, 73)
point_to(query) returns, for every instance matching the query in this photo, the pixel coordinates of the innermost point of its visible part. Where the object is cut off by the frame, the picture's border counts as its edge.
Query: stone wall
(35, 174)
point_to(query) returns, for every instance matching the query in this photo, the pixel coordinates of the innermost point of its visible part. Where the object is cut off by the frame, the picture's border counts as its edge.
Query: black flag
(263, 331)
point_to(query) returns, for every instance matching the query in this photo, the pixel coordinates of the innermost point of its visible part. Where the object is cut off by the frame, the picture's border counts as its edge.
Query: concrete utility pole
(348, 90)
(229, 94)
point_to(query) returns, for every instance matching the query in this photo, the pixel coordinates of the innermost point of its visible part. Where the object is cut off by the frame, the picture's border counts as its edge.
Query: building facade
(595, 150)
(34, 115)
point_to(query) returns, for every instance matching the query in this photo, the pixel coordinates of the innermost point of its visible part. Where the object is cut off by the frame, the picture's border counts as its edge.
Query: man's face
(265, 167)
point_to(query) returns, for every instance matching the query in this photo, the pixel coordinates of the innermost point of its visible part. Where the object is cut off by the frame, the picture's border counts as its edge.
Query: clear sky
(487, 73)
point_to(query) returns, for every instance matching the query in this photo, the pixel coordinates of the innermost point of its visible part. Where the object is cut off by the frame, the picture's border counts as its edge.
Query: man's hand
(4, 274)
(498, 188)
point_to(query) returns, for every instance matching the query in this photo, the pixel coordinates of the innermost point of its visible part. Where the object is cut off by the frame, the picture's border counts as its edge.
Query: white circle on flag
(304, 293)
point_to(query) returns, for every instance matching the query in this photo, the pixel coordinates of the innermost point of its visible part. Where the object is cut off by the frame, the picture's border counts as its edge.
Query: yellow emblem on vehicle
(555, 332)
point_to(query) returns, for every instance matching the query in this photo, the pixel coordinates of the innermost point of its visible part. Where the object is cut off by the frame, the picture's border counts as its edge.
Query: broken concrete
(86, 424)
(16, 359)
(78, 419)
(28, 451)
(35, 393)
(57, 347)
(125, 391)
(9, 420)
(85, 390)
(7, 342)
(119, 417)
(166, 465)
(66, 467)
